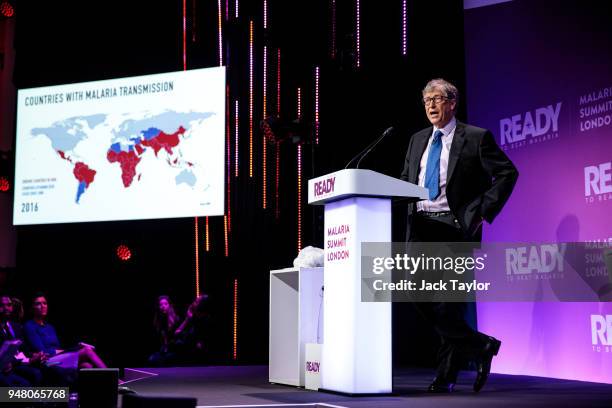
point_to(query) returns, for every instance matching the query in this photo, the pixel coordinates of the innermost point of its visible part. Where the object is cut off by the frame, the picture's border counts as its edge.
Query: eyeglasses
(437, 99)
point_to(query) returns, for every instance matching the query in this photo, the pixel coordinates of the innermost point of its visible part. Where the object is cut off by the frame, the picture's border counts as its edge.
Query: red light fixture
(5, 184)
(6, 9)
(124, 253)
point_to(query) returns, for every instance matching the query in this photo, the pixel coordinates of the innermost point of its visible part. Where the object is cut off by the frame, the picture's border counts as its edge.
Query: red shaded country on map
(127, 161)
(164, 141)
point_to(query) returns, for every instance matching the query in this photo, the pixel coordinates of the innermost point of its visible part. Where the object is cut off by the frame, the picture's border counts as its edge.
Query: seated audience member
(192, 333)
(165, 322)
(41, 336)
(18, 370)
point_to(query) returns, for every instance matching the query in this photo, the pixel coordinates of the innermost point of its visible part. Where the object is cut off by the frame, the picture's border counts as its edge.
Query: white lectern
(295, 306)
(356, 356)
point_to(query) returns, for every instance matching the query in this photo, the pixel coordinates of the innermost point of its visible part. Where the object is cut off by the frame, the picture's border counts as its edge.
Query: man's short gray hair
(449, 90)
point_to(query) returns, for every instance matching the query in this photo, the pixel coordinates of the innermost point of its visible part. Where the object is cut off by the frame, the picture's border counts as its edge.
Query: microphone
(370, 147)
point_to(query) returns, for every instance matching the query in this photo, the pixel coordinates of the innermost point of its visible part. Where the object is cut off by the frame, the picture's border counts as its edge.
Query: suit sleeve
(504, 174)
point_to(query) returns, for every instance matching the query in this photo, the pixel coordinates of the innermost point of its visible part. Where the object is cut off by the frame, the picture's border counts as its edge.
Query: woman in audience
(193, 332)
(41, 336)
(165, 322)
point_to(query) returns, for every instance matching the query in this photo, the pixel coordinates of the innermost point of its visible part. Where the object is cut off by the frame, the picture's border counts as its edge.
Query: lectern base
(350, 394)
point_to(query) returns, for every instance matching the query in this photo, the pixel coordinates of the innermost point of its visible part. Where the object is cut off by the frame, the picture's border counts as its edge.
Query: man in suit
(469, 180)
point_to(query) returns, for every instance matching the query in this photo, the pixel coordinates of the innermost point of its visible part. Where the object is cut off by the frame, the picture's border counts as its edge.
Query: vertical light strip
(184, 35)
(278, 82)
(265, 114)
(277, 145)
(265, 14)
(236, 161)
(317, 105)
(264, 172)
(228, 152)
(197, 258)
(265, 81)
(299, 177)
(357, 35)
(207, 234)
(226, 231)
(251, 98)
(227, 10)
(236, 9)
(277, 183)
(235, 331)
(333, 30)
(193, 21)
(404, 29)
(299, 197)
(220, 29)
(196, 232)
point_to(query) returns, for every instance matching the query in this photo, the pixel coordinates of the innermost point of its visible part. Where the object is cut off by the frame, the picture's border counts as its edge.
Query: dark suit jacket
(480, 176)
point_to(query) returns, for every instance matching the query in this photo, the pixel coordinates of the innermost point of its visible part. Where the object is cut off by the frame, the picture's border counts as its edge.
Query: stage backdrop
(538, 75)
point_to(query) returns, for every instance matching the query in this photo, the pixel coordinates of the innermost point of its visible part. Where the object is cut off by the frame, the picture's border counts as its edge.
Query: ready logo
(598, 182)
(601, 332)
(313, 366)
(541, 260)
(324, 186)
(530, 127)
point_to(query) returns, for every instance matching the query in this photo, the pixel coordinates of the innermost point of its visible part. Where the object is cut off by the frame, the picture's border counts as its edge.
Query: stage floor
(247, 386)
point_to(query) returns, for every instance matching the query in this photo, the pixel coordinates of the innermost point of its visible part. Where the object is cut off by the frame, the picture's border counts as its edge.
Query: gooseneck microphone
(370, 147)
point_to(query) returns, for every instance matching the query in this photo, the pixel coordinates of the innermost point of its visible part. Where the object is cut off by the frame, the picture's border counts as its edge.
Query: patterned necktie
(432, 171)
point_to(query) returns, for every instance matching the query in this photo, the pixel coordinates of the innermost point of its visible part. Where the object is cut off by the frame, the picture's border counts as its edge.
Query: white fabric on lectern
(309, 257)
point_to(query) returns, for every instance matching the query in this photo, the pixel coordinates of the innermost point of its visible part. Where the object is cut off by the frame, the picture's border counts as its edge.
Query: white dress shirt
(440, 203)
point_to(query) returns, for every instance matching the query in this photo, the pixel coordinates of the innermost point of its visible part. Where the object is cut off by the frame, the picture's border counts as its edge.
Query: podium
(356, 355)
(295, 306)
